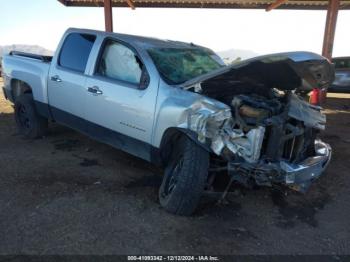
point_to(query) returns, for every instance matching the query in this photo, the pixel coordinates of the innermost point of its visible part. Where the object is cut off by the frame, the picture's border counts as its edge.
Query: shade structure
(332, 7)
(237, 4)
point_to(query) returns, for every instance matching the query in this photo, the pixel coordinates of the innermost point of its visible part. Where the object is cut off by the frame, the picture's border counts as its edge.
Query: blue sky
(42, 22)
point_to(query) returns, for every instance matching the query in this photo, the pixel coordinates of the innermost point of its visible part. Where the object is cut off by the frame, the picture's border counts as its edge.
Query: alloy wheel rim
(172, 177)
(23, 117)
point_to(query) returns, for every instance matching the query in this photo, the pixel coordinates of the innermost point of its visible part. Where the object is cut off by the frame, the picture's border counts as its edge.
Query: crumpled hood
(284, 71)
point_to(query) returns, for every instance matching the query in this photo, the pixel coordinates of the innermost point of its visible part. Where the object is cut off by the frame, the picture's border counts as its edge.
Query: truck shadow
(7, 124)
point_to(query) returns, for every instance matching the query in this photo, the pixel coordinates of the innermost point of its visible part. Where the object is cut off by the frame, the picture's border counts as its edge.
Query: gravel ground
(67, 194)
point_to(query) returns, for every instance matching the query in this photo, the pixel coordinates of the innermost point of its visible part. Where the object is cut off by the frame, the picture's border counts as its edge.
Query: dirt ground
(67, 194)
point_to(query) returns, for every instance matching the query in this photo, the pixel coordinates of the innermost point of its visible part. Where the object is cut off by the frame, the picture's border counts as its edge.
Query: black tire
(29, 122)
(184, 178)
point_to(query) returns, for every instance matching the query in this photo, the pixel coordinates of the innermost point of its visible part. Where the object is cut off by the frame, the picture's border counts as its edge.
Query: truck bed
(31, 55)
(33, 68)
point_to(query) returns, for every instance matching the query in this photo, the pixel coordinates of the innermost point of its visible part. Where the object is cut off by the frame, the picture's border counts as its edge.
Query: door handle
(95, 90)
(56, 78)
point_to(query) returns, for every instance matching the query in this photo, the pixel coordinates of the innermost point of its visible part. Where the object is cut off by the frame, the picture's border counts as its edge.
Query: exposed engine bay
(266, 134)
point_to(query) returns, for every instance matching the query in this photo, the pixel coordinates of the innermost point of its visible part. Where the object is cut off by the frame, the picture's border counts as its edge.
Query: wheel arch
(19, 87)
(169, 137)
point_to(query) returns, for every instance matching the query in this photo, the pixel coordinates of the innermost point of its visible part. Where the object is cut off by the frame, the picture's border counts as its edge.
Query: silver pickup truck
(177, 105)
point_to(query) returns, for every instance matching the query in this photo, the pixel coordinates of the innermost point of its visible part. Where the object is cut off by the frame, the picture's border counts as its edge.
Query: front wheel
(184, 178)
(29, 122)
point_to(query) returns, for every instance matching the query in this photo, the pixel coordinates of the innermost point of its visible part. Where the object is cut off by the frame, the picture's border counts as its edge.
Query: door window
(121, 63)
(75, 51)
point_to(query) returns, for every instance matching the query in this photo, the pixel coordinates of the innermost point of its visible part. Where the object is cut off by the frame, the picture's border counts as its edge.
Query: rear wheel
(29, 122)
(184, 178)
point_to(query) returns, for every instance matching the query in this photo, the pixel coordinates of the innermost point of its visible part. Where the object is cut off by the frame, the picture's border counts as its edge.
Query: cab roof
(139, 41)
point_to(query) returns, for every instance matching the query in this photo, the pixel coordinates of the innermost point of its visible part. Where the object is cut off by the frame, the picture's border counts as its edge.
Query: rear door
(66, 83)
(121, 99)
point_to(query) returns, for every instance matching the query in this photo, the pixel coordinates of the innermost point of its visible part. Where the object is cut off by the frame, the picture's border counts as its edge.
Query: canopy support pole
(329, 32)
(108, 15)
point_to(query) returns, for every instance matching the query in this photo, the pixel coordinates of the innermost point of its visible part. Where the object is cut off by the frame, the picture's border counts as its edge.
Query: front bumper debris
(296, 176)
(299, 176)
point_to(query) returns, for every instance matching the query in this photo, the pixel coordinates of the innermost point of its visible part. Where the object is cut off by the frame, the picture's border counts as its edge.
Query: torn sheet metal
(307, 113)
(216, 124)
(208, 120)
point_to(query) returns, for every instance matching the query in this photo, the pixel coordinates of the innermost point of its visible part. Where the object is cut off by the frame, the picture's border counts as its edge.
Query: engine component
(249, 111)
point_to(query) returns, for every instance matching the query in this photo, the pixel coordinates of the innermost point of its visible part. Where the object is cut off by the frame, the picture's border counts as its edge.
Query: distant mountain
(236, 54)
(35, 49)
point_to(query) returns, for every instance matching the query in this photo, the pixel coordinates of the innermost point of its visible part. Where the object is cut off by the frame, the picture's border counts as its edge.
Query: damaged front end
(265, 134)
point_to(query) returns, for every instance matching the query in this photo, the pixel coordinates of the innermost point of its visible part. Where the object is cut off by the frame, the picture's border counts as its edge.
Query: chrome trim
(311, 168)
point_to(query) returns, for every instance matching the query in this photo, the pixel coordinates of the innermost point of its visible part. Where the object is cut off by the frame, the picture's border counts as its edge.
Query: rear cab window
(75, 51)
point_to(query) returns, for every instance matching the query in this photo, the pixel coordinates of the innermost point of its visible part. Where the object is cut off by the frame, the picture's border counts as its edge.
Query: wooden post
(275, 5)
(329, 32)
(108, 15)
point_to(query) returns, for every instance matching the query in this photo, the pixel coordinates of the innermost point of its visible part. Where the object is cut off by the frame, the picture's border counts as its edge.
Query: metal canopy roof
(332, 7)
(239, 4)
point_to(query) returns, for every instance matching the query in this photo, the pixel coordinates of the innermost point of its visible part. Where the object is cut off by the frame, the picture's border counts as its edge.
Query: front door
(121, 100)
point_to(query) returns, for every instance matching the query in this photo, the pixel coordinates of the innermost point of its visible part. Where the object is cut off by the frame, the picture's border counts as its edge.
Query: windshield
(177, 65)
